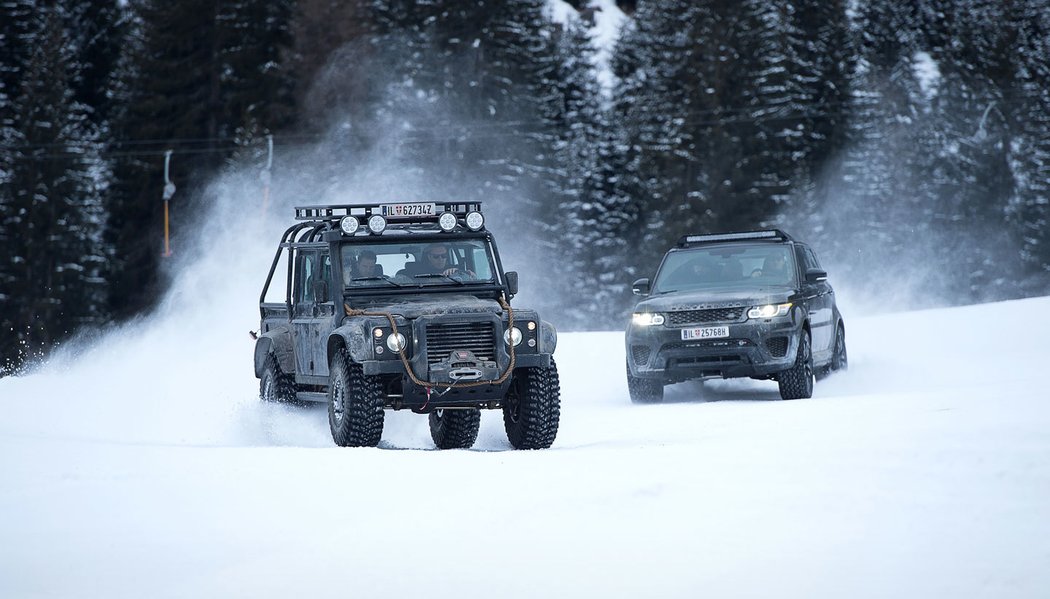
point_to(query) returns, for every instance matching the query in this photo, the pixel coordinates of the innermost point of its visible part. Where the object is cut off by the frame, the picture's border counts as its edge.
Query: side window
(307, 273)
(811, 257)
(326, 270)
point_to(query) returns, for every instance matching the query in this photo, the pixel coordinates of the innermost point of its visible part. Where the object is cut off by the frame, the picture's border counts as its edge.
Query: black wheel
(276, 386)
(355, 404)
(644, 390)
(532, 407)
(797, 381)
(840, 361)
(454, 429)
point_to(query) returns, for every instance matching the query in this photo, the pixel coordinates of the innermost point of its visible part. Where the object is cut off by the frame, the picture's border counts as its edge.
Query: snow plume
(894, 220)
(183, 374)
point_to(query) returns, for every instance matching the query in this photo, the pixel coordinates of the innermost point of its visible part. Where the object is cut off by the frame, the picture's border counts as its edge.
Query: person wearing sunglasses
(436, 260)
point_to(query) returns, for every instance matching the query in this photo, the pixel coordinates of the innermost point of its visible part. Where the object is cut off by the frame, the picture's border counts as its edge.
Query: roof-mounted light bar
(410, 215)
(773, 234)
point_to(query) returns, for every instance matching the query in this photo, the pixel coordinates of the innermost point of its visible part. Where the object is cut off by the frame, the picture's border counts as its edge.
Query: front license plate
(705, 333)
(407, 210)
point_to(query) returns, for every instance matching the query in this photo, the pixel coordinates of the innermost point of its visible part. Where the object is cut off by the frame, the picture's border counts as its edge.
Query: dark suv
(754, 304)
(404, 306)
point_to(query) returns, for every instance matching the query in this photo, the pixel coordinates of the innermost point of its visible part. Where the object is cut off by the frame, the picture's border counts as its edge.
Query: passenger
(366, 265)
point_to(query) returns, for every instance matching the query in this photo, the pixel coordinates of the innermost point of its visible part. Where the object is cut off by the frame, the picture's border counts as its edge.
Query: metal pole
(169, 190)
(265, 174)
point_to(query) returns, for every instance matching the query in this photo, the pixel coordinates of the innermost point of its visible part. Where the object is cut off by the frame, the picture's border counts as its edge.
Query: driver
(436, 261)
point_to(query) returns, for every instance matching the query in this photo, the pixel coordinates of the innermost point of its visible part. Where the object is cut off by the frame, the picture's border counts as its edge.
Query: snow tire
(840, 361)
(643, 390)
(797, 381)
(532, 407)
(355, 404)
(276, 386)
(454, 429)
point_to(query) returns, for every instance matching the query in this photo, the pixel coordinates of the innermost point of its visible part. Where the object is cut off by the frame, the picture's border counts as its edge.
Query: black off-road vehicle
(405, 306)
(754, 304)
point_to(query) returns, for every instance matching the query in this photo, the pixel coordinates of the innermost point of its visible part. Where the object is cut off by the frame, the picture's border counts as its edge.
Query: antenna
(169, 190)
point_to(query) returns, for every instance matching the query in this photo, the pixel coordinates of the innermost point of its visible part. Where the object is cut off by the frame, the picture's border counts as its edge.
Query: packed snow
(145, 465)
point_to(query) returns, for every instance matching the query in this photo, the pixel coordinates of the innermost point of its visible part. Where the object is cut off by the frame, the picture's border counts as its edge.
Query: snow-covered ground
(146, 467)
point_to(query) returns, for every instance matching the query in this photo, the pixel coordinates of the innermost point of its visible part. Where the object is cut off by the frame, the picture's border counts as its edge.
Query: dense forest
(900, 138)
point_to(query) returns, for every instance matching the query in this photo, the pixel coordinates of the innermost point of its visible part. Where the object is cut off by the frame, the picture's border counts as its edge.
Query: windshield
(405, 264)
(726, 266)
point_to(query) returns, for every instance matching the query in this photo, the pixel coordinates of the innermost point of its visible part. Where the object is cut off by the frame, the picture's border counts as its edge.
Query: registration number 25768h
(705, 333)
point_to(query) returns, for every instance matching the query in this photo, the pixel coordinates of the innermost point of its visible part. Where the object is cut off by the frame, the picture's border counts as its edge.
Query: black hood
(715, 298)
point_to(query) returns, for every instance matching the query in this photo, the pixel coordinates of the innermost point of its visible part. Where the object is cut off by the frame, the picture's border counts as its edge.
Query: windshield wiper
(436, 275)
(383, 278)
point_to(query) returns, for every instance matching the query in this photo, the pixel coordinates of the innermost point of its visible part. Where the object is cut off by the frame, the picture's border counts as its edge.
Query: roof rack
(768, 235)
(406, 217)
(401, 213)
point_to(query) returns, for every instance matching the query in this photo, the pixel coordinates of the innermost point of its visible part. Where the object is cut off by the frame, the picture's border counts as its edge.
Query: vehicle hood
(715, 298)
(416, 306)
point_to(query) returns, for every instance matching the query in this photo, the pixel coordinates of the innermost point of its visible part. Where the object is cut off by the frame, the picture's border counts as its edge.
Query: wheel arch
(277, 342)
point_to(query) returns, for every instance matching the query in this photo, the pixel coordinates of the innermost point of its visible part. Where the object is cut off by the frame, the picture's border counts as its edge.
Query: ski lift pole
(169, 190)
(265, 175)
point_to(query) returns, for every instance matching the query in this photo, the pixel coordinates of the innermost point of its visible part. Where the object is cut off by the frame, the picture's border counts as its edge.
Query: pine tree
(205, 80)
(1029, 101)
(52, 281)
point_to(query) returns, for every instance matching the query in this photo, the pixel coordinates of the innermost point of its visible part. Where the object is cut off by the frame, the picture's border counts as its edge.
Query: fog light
(447, 221)
(376, 224)
(349, 225)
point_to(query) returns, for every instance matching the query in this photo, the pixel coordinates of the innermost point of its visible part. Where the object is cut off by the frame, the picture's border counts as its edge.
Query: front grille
(686, 317)
(641, 354)
(717, 344)
(478, 337)
(778, 346)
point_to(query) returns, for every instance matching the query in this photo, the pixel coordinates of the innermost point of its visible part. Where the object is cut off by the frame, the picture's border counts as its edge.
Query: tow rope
(446, 386)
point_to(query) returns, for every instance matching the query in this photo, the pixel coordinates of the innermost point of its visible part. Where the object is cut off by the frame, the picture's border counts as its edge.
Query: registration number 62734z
(705, 333)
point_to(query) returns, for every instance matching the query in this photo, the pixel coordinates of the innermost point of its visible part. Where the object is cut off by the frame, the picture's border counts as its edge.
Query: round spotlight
(447, 221)
(475, 221)
(349, 225)
(396, 342)
(512, 336)
(376, 224)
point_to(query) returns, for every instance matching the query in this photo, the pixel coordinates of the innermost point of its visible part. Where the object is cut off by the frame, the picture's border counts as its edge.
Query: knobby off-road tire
(840, 361)
(532, 407)
(454, 429)
(644, 390)
(276, 386)
(797, 381)
(355, 404)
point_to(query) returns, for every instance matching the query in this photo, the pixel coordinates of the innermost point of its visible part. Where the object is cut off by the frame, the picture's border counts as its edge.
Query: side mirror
(641, 287)
(512, 282)
(815, 275)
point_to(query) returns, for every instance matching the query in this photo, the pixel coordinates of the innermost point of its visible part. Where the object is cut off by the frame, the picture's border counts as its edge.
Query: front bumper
(754, 348)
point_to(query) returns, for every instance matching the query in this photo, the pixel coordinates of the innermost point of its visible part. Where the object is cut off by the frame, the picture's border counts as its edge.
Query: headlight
(396, 342)
(475, 220)
(376, 224)
(769, 310)
(447, 221)
(512, 336)
(349, 225)
(647, 319)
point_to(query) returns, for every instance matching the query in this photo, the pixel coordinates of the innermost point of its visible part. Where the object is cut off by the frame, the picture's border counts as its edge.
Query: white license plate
(705, 333)
(407, 210)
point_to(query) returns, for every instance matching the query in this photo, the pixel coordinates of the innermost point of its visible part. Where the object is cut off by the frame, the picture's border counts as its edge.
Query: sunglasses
(437, 256)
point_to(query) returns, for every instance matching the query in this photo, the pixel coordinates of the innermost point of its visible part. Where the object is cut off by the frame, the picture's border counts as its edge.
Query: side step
(305, 396)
